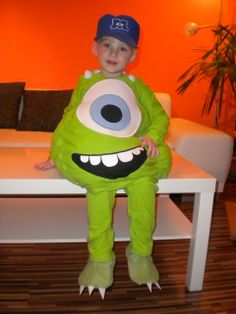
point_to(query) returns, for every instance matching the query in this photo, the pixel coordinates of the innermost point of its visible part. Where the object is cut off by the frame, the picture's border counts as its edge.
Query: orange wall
(48, 43)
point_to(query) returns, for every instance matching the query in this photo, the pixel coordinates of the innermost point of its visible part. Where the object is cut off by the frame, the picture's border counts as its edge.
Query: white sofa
(210, 149)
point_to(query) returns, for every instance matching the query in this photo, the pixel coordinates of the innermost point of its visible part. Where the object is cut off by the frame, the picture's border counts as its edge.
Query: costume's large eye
(110, 111)
(110, 107)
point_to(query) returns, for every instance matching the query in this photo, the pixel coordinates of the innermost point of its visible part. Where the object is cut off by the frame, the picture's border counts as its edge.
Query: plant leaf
(216, 63)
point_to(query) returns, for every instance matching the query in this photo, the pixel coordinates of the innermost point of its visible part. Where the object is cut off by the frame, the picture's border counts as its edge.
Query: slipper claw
(102, 292)
(90, 289)
(81, 289)
(149, 285)
(157, 285)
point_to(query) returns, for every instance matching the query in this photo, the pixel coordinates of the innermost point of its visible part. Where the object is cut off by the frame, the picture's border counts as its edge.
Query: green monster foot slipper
(97, 275)
(142, 270)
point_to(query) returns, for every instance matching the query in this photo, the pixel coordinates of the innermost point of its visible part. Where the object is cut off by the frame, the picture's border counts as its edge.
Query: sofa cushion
(10, 96)
(14, 138)
(43, 109)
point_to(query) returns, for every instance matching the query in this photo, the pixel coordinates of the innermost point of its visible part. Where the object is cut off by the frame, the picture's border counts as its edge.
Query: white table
(42, 206)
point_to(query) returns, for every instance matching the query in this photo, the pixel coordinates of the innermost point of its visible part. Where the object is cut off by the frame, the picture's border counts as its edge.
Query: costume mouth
(112, 166)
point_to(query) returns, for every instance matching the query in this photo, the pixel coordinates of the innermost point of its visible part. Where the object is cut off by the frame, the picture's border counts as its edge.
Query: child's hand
(150, 145)
(45, 165)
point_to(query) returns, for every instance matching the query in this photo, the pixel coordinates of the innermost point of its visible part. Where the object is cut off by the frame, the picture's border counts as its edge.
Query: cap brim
(129, 41)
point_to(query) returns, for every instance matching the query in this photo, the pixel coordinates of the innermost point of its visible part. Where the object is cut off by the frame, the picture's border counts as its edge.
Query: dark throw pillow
(10, 96)
(43, 109)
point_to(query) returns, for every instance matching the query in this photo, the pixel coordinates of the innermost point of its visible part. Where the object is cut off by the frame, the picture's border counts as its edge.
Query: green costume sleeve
(156, 122)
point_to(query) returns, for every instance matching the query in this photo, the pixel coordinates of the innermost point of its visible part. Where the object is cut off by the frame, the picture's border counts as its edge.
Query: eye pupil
(111, 113)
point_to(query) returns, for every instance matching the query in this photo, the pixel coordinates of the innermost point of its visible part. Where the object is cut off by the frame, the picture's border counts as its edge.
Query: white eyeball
(110, 107)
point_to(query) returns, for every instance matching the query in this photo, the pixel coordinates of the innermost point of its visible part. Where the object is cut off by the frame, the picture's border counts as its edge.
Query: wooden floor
(42, 278)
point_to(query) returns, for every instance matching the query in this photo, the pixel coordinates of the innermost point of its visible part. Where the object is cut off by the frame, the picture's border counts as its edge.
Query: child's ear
(134, 55)
(95, 49)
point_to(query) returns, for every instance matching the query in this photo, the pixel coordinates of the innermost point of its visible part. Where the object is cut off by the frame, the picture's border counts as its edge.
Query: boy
(112, 137)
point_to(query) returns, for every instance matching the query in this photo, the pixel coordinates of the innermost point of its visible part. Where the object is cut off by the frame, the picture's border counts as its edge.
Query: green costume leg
(142, 216)
(100, 233)
(98, 273)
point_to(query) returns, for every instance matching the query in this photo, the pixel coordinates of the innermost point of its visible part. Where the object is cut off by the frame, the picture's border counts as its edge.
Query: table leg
(201, 224)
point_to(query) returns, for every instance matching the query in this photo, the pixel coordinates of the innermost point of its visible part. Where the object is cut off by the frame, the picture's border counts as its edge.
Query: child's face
(113, 56)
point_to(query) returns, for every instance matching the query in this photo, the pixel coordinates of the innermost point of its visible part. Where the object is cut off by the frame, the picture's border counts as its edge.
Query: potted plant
(218, 65)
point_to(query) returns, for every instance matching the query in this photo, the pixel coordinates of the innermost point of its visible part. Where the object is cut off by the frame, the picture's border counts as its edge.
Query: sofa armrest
(210, 149)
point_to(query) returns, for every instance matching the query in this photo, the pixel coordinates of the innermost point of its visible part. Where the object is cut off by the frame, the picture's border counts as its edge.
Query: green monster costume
(96, 145)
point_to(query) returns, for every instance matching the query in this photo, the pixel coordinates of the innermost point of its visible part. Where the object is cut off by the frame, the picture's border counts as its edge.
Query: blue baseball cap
(122, 27)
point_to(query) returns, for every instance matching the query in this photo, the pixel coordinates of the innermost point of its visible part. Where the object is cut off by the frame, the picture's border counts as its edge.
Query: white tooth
(125, 156)
(110, 160)
(84, 158)
(95, 160)
(137, 150)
